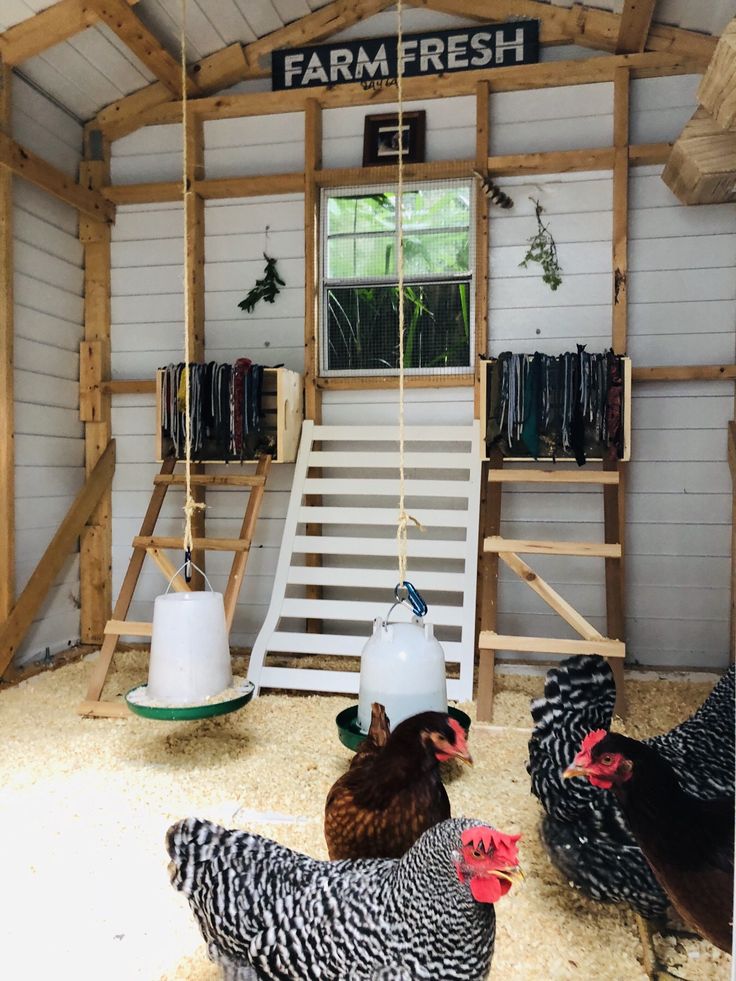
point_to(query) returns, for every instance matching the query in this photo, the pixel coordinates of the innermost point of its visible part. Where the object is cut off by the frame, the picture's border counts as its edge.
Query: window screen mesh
(360, 298)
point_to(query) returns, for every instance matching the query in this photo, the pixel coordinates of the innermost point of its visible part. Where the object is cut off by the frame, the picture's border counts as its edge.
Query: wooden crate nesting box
(717, 92)
(282, 410)
(701, 168)
(560, 456)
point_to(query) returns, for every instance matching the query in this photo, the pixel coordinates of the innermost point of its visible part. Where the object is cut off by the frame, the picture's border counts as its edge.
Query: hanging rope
(190, 505)
(402, 528)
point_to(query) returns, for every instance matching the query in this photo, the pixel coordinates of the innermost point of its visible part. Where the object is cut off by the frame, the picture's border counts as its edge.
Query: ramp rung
(553, 476)
(133, 628)
(211, 480)
(593, 549)
(214, 544)
(491, 641)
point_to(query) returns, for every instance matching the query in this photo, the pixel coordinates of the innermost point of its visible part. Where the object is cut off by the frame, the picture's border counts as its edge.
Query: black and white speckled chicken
(267, 912)
(584, 830)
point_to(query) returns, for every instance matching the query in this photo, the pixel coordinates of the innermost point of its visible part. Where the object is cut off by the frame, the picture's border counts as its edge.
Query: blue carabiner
(415, 600)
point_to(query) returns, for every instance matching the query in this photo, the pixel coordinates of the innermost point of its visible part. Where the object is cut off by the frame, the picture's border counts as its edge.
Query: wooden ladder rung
(134, 628)
(215, 544)
(553, 476)
(490, 640)
(593, 549)
(211, 480)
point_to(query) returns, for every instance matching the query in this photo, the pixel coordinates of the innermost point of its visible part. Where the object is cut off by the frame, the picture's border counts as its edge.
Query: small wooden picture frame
(381, 138)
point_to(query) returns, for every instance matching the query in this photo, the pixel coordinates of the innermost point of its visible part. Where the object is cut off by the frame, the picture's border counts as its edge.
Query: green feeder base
(351, 735)
(179, 713)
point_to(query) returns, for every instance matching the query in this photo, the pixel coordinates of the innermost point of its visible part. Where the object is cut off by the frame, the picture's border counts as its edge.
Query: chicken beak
(511, 875)
(574, 771)
(464, 757)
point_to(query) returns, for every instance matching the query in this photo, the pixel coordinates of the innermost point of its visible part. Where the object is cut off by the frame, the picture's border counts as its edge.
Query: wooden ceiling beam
(717, 90)
(49, 27)
(701, 168)
(578, 24)
(27, 165)
(549, 74)
(143, 43)
(314, 27)
(636, 19)
(237, 62)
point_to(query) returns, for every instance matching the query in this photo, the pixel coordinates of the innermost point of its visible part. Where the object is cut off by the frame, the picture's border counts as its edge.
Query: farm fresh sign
(374, 61)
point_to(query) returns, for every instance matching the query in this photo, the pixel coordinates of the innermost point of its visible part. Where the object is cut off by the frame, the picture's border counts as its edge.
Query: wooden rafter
(49, 27)
(143, 43)
(577, 24)
(636, 19)
(237, 62)
(216, 71)
(26, 164)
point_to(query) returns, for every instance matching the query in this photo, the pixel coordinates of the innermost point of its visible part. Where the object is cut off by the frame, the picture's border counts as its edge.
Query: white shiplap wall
(682, 310)
(49, 443)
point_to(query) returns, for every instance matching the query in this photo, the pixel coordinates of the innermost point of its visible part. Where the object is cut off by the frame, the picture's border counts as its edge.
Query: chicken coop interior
(367, 410)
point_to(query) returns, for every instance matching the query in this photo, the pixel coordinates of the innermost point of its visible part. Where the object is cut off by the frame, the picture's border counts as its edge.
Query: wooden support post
(482, 234)
(614, 495)
(732, 467)
(620, 207)
(312, 394)
(125, 596)
(194, 273)
(7, 398)
(95, 559)
(490, 525)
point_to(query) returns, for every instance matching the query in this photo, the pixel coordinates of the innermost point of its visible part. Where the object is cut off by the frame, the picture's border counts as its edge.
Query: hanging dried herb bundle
(265, 289)
(542, 249)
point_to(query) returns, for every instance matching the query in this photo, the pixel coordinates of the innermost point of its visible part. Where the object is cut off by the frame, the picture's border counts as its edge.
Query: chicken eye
(606, 759)
(477, 853)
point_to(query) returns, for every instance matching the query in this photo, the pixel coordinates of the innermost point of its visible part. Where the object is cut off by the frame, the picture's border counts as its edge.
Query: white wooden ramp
(352, 472)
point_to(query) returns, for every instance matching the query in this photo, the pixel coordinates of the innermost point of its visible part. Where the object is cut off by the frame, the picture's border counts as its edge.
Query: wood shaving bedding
(85, 803)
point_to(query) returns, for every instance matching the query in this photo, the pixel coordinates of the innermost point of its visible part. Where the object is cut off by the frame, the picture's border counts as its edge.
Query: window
(359, 296)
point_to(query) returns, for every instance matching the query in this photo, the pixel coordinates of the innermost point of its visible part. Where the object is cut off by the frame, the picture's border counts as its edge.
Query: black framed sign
(374, 61)
(381, 138)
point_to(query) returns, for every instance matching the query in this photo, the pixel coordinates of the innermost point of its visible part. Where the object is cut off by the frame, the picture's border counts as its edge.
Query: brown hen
(393, 791)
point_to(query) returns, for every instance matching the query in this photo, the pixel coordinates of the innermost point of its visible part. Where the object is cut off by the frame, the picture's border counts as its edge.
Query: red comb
(492, 840)
(592, 739)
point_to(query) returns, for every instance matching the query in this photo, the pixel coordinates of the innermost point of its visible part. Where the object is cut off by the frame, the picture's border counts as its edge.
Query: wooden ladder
(493, 547)
(148, 543)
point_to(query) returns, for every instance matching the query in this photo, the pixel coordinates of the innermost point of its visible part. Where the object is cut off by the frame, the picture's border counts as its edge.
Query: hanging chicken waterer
(190, 659)
(402, 666)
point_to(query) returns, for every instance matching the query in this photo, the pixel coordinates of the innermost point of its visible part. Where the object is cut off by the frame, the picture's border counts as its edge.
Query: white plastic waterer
(190, 651)
(402, 666)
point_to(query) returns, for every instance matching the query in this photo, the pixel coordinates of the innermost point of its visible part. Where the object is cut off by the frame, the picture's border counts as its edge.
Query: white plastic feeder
(402, 666)
(190, 651)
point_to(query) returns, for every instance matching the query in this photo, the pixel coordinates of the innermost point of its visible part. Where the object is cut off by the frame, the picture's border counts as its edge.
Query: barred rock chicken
(688, 842)
(584, 829)
(268, 912)
(393, 790)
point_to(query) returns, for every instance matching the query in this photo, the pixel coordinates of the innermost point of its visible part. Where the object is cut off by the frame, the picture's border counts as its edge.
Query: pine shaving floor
(84, 805)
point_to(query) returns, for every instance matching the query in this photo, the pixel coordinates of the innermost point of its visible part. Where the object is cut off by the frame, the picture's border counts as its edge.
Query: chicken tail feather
(191, 845)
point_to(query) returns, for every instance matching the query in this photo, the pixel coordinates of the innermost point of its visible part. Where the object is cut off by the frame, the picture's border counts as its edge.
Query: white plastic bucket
(402, 666)
(190, 651)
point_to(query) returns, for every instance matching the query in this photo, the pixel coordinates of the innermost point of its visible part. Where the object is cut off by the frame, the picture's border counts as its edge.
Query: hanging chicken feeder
(402, 666)
(190, 673)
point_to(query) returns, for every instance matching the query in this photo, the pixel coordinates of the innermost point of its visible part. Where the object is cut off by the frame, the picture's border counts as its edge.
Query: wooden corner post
(614, 494)
(7, 396)
(312, 163)
(95, 559)
(194, 315)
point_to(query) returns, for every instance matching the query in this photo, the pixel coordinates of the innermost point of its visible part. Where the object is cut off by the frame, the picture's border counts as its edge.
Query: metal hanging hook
(187, 565)
(406, 595)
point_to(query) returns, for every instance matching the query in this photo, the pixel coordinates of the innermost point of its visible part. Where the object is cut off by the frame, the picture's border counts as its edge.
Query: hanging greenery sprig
(542, 249)
(265, 289)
